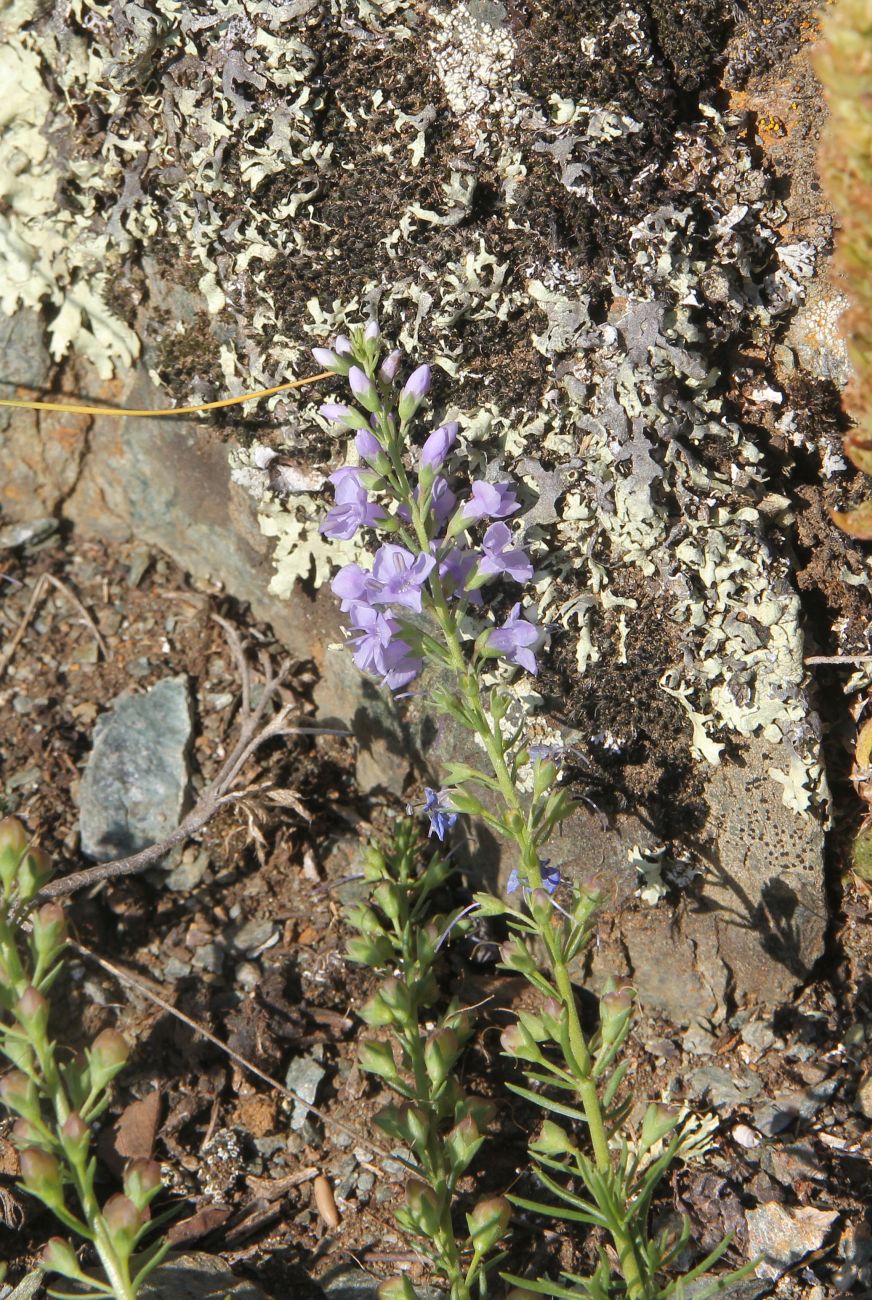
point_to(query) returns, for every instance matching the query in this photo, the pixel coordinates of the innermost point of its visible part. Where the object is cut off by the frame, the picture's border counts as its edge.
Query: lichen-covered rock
(544, 201)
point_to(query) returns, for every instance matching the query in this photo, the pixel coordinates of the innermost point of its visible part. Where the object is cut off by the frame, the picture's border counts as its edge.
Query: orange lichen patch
(257, 1115)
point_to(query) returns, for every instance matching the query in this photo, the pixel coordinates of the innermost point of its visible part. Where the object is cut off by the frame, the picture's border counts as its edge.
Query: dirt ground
(221, 1132)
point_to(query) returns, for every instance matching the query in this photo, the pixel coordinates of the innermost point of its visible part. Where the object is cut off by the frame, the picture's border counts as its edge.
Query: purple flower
(379, 648)
(514, 640)
(438, 445)
(373, 633)
(342, 346)
(367, 446)
(326, 359)
(339, 413)
(490, 501)
(353, 585)
(499, 558)
(400, 576)
(550, 878)
(401, 665)
(454, 570)
(353, 507)
(438, 809)
(372, 330)
(389, 367)
(363, 389)
(415, 389)
(545, 753)
(442, 500)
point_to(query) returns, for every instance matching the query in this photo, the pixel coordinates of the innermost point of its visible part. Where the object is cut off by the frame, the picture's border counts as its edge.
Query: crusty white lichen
(216, 149)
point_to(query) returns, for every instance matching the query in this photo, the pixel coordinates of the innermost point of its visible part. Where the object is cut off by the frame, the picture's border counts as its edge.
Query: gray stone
(188, 874)
(303, 1077)
(789, 1164)
(210, 957)
(777, 1115)
(863, 1097)
(253, 935)
(135, 783)
(197, 1276)
(26, 534)
(785, 1236)
(721, 1089)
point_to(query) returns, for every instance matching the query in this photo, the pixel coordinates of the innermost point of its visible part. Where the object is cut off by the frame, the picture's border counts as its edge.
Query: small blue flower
(442, 815)
(550, 879)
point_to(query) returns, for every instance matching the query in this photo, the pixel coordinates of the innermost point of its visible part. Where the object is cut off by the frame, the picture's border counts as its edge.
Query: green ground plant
(421, 603)
(57, 1098)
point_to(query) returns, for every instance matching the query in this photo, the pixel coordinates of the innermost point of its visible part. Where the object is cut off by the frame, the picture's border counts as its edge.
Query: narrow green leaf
(546, 1103)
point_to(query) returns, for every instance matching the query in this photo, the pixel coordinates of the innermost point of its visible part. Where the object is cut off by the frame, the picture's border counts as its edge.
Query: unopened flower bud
(108, 1054)
(142, 1181)
(58, 1256)
(368, 446)
(377, 1058)
(389, 367)
(41, 1175)
(462, 1143)
(49, 927)
(388, 897)
(371, 331)
(438, 445)
(440, 1054)
(13, 845)
(415, 389)
(363, 389)
(75, 1133)
(18, 1093)
(122, 1217)
(416, 1126)
(659, 1121)
(370, 950)
(34, 871)
(488, 1222)
(25, 1134)
(396, 1288)
(31, 1010)
(421, 1212)
(615, 1011)
(340, 413)
(342, 346)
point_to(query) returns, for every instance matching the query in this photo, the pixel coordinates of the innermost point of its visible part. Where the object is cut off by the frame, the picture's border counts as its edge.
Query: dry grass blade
(126, 977)
(42, 583)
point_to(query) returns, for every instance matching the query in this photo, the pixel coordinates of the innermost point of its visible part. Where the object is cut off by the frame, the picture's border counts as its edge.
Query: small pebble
(247, 976)
(746, 1137)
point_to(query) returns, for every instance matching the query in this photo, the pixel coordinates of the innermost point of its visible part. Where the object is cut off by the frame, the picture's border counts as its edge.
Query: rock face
(582, 244)
(136, 781)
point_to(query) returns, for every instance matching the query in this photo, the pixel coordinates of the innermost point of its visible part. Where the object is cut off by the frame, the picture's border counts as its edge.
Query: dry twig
(254, 731)
(43, 581)
(133, 981)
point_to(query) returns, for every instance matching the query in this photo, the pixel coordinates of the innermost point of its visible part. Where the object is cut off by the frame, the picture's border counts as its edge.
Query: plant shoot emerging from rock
(56, 1105)
(447, 538)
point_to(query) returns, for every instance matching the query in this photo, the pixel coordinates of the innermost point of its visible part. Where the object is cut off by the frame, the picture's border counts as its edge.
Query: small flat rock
(775, 1116)
(784, 1236)
(720, 1088)
(304, 1077)
(26, 534)
(198, 1276)
(136, 780)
